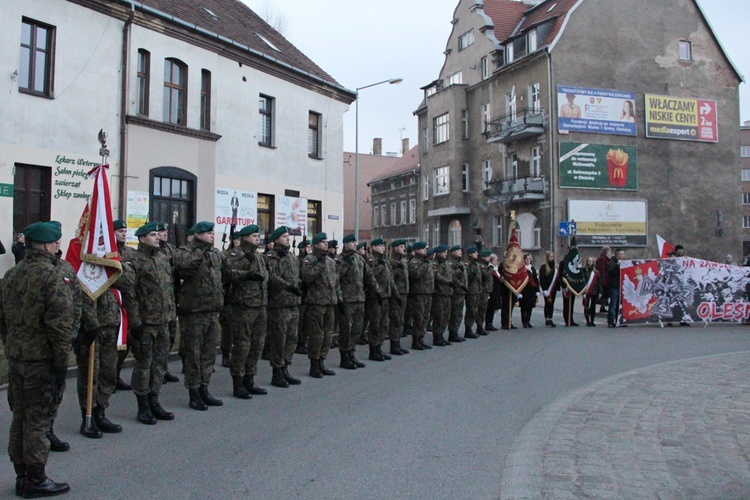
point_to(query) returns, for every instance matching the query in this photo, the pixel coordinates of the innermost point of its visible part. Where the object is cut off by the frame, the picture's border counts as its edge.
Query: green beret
(248, 230)
(277, 233)
(398, 242)
(43, 232)
(441, 248)
(161, 226)
(348, 238)
(472, 249)
(360, 246)
(333, 244)
(430, 252)
(377, 241)
(319, 237)
(119, 224)
(57, 224)
(485, 253)
(203, 227)
(235, 235)
(302, 244)
(148, 227)
(419, 245)
(191, 231)
(455, 247)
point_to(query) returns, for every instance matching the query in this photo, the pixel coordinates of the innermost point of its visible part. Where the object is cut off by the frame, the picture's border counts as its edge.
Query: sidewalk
(673, 430)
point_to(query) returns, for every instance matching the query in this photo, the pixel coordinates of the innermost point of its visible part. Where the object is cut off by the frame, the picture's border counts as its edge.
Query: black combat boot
(481, 330)
(278, 379)
(168, 377)
(288, 377)
(346, 361)
(226, 358)
(396, 348)
(55, 444)
(384, 355)
(249, 381)
(91, 430)
(315, 369)
(208, 398)
(355, 360)
(416, 344)
(144, 412)
(301, 349)
(196, 401)
(238, 389)
(323, 369)
(375, 355)
(103, 423)
(39, 485)
(438, 340)
(156, 409)
(468, 334)
(20, 478)
(122, 385)
(421, 341)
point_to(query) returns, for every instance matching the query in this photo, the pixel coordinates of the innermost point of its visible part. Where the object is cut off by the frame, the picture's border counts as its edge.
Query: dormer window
(532, 41)
(509, 52)
(466, 40)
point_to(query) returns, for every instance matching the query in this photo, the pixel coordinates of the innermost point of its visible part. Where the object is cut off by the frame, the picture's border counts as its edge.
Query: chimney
(377, 146)
(404, 146)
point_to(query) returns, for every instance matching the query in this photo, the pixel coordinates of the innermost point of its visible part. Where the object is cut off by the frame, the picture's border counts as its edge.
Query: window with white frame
(509, 52)
(485, 117)
(535, 165)
(403, 212)
(442, 181)
(486, 171)
(511, 171)
(425, 139)
(745, 151)
(510, 106)
(436, 233)
(485, 65)
(537, 237)
(412, 211)
(375, 217)
(425, 187)
(426, 232)
(535, 98)
(383, 216)
(456, 78)
(532, 42)
(745, 222)
(746, 175)
(497, 231)
(464, 124)
(466, 40)
(394, 222)
(465, 177)
(746, 198)
(454, 233)
(440, 128)
(686, 50)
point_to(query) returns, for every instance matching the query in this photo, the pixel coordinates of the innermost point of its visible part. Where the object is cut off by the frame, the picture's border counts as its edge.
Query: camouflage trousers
(441, 313)
(198, 345)
(282, 325)
(472, 309)
(172, 325)
(396, 318)
(376, 311)
(482, 309)
(226, 332)
(32, 392)
(320, 320)
(248, 328)
(457, 312)
(151, 352)
(421, 305)
(302, 329)
(351, 325)
(105, 367)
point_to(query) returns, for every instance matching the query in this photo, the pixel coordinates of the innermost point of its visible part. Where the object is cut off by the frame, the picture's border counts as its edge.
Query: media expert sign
(598, 166)
(238, 208)
(681, 119)
(596, 111)
(609, 222)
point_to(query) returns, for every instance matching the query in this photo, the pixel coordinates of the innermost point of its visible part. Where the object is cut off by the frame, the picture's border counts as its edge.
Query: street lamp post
(391, 81)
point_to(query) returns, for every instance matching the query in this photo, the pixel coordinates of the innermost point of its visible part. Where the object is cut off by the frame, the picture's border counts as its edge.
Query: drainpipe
(551, 154)
(123, 112)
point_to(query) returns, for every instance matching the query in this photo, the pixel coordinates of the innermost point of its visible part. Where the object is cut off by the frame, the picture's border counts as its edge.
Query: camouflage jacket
(151, 301)
(381, 269)
(198, 264)
(458, 275)
(474, 276)
(355, 277)
(243, 292)
(79, 311)
(488, 282)
(443, 276)
(106, 308)
(168, 251)
(283, 267)
(400, 268)
(322, 280)
(421, 275)
(37, 310)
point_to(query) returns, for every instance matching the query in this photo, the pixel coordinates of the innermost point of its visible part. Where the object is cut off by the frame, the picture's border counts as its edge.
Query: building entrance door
(32, 187)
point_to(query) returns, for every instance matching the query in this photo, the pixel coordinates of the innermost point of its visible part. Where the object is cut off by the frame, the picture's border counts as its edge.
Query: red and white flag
(93, 250)
(665, 248)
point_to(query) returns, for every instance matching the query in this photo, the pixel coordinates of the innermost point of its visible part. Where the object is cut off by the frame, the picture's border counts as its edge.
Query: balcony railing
(516, 190)
(522, 124)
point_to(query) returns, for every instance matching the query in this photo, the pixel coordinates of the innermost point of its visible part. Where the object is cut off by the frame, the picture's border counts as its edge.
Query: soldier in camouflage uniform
(474, 275)
(354, 276)
(304, 249)
(487, 286)
(323, 295)
(378, 301)
(421, 288)
(458, 299)
(396, 307)
(284, 298)
(169, 250)
(36, 327)
(226, 310)
(441, 297)
(201, 298)
(246, 272)
(149, 310)
(126, 253)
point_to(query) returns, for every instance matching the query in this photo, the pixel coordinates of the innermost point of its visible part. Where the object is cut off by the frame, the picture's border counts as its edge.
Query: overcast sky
(366, 41)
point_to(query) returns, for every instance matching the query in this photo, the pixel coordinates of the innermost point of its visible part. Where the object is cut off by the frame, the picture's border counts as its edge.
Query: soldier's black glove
(86, 338)
(253, 276)
(341, 307)
(322, 258)
(295, 290)
(250, 256)
(349, 257)
(136, 332)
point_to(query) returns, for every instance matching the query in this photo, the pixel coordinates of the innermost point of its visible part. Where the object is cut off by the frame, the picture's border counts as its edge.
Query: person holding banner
(529, 296)
(573, 282)
(514, 274)
(613, 282)
(548, 282)
(593, 291)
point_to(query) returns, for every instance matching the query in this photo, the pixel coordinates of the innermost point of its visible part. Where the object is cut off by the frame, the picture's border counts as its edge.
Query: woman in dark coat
(530, 292)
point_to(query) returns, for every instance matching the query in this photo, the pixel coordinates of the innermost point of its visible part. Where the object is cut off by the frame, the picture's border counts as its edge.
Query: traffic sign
(566, 228)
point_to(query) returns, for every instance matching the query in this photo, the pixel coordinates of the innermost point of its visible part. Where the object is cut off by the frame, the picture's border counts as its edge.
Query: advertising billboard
(681, 119)
(598, 166)
(615, 223)
(596, 111)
